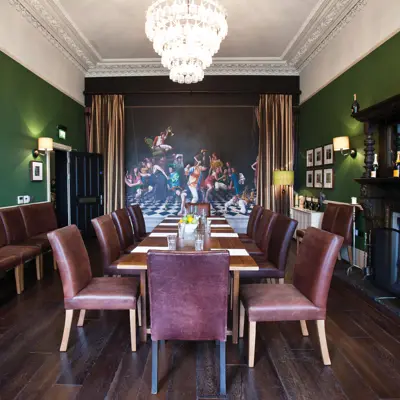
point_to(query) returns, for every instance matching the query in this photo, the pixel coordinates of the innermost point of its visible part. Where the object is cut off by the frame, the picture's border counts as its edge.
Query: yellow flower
(180, 221)
(189, 220)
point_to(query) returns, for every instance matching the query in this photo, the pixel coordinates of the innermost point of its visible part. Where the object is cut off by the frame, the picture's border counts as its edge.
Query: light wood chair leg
(350, 253)
(304, 330)
(139, 310)
(67, 329)
(81, 319)
(17, 273)
(22, 278)
(38, 269)
(132, 318)
(281, 281)
(231, 292)
(252, 342)
(241, 320)
(322, 342)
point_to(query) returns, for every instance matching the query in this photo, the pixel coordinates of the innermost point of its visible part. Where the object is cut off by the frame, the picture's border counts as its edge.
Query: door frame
(67, 149)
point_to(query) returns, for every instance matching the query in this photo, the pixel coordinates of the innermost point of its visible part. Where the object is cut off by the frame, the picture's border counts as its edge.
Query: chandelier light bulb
(186, 34)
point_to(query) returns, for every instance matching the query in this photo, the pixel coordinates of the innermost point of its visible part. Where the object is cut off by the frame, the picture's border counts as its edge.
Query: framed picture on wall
(328, 178)
(310, 158)
(318, 178)
(328, 154)
(318, 156)
(36, 171)
(310, 179)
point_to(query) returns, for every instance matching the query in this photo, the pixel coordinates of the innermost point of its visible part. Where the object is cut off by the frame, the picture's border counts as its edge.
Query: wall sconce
(283, 178)
(44, 144)
(62, 131)
(342, 144)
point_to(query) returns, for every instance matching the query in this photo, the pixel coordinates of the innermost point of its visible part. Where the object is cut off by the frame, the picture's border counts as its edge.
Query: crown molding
(220, 66)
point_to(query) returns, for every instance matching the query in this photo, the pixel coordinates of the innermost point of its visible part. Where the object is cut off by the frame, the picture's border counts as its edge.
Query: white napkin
(236, 252)
(144, 249)
(217, 218)
(215, 234)
(173, 218)
(220, 226)
(169, 224)
(163, 234)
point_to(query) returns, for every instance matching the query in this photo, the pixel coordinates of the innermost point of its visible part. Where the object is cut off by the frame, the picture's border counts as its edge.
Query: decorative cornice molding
(153, 67)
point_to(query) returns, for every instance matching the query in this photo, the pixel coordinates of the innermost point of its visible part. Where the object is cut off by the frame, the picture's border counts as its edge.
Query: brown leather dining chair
(188, 301)
(199, 207)
(82, 291)
(252, 224)
(343, 226)
(138, 222)
(124, 230)
(304, 300)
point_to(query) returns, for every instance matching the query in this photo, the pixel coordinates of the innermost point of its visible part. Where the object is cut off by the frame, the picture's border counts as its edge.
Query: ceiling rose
(186, 34)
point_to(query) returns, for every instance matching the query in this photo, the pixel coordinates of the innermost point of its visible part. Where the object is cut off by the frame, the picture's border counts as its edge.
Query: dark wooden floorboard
(364, 345)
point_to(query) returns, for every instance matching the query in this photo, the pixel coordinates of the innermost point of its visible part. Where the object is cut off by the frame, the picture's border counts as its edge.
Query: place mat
(144, 249)
(220, 226)
(218, 234)
(236, 252)
(168, 224)
(163, 234)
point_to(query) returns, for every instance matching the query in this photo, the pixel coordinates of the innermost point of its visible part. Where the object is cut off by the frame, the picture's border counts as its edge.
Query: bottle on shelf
(355, 107)
(375, 166)
(396, 168)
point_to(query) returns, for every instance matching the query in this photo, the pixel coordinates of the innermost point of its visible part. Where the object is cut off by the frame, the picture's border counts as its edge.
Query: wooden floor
(364, 345)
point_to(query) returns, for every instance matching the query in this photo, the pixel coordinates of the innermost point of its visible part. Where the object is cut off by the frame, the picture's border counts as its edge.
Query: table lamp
(283, 178)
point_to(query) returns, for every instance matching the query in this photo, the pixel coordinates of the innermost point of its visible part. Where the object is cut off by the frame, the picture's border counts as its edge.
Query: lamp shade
(283, 178)
(45, 144)
(341, 143)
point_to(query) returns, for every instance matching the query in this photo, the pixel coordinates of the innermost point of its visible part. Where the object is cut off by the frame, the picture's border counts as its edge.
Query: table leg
(143, 331)
(235, 320)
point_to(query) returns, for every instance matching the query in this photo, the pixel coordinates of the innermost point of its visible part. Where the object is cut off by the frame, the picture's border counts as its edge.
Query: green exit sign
(62, 132)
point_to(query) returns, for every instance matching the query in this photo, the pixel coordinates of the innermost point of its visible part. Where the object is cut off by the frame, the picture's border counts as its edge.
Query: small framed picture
(310, 179)
(328, 178)
(310, 158)
(328, 154)
(318, 178)
(36, 171)
(318, 156)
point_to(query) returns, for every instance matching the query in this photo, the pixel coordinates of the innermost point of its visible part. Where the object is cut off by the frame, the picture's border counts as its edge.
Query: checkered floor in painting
(158, 208)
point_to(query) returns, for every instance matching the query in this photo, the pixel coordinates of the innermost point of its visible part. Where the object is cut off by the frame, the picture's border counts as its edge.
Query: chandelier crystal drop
(186, 34)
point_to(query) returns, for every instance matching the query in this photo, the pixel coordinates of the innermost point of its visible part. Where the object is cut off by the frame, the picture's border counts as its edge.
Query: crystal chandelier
(186, 34)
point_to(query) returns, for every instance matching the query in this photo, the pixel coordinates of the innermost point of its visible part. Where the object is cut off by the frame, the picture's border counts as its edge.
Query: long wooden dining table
(222, 236)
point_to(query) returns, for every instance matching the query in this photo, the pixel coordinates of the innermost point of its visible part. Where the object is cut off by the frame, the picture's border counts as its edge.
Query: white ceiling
(266, 37)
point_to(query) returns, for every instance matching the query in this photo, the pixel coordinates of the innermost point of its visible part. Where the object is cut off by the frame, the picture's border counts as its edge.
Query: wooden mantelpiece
(387, 111)
(380, 181)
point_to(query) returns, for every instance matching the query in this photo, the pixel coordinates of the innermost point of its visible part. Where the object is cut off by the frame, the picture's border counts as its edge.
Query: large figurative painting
(177, 155)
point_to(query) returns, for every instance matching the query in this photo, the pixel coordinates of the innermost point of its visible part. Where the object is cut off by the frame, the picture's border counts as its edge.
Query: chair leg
(241, 320)
(67, 329)
(139, 310)
(350, 253)
(222, 368)
(38, 269)
(81, 319)
(304, 330)
(252, 342)
(22, 278)
(132, 318)
(281, 281)
(154, 367)
(231, 292)
(322, 342)
(17, 273)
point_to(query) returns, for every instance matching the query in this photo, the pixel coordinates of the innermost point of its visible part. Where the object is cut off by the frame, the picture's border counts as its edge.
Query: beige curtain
(276, 146)
(107, 137)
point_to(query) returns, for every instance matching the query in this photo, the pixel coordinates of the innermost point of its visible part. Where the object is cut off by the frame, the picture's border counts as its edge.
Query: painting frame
(329, 154)
(310, 179)
(310, 158)
(329, 178)
(36, 171)
(318, 178)
(318, 156)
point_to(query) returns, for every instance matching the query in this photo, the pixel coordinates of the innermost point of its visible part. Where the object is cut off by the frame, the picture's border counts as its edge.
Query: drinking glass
(171, 242)
(181, 230)
(199, 242)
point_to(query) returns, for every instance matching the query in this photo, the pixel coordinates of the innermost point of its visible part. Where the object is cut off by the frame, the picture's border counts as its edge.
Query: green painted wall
(30, 108)
(327, 114)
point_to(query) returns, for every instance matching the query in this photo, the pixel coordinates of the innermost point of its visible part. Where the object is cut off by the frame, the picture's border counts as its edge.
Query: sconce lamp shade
(45, 144)
(283, 178)
(341, 143)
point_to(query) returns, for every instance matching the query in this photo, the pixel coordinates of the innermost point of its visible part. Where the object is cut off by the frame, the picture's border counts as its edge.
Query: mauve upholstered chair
(82, 291)
(200, 207)
(124, 230)
(252, 224)
(138, 222)
(188, 301)
(304, 300)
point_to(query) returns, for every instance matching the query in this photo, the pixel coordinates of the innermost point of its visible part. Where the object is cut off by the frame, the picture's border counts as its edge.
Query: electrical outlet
(20, 200)
(27, 199)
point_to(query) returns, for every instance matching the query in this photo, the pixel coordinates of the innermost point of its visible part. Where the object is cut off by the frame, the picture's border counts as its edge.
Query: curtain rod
(191, 92)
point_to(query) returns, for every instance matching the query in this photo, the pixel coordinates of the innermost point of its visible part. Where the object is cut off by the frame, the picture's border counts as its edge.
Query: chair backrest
(39, 218)
(3, 235)
(108, 239)
(254, 219)
(264, 229)
(124, 228)
(315, 262)
(188, 294)
(343, 223)
(281, 237)
(329, 217)
(200, 207)
(72, 259)
(140, 218)
(14, 225)
(135, 222)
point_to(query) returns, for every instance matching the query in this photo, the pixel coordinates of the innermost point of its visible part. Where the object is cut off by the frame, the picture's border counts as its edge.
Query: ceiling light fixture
(186, 34)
